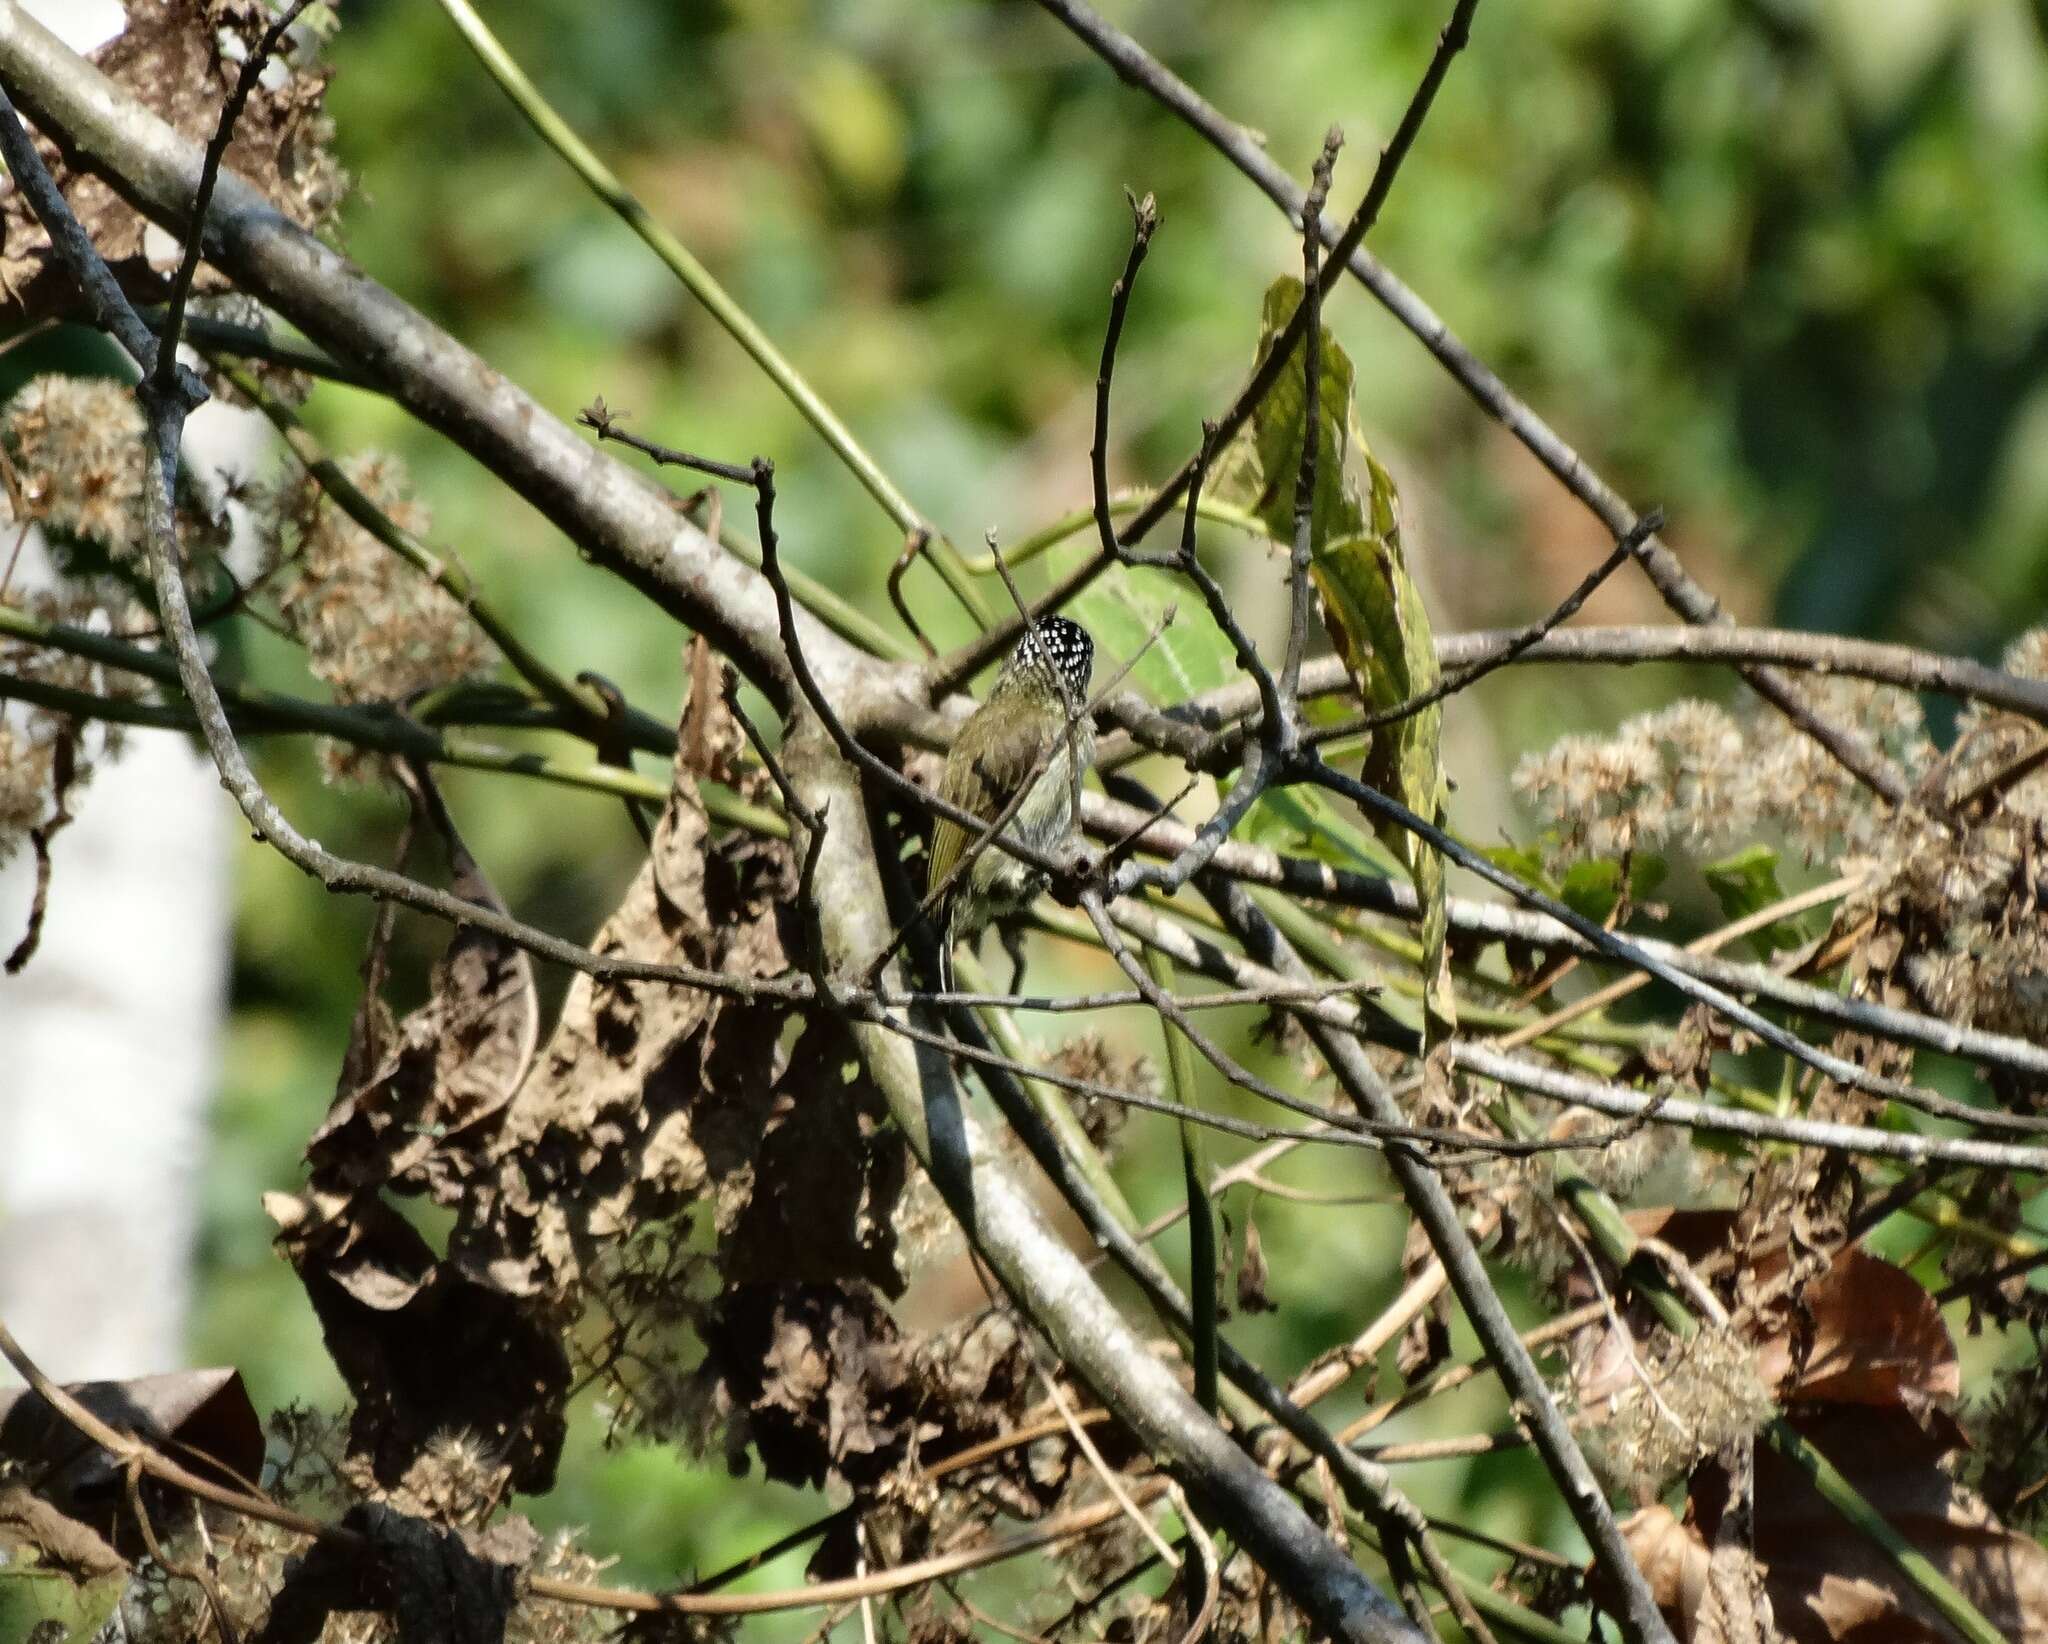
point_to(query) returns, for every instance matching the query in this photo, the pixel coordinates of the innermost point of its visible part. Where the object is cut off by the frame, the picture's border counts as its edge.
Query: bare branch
(1482, 1304)
(1144, 222)
(1567, 608)
(1178, 731)
(1162, 501)
(209, 174)
(1605, 1097)
(603, 421)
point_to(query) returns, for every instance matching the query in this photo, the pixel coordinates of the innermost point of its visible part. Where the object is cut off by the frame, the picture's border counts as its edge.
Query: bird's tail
(939, 925)
(944, 973)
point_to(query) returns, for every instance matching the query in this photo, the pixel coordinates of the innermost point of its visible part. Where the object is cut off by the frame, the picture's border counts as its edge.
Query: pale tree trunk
(109, 1038)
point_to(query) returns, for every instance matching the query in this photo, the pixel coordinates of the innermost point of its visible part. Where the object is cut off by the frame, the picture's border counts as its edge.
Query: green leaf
(1120, 608)
(1378, 623)
(1301, 822)
(1371, 605)
(1260, 469)
(1525, 862)
(1744, 884)
(1592, 889)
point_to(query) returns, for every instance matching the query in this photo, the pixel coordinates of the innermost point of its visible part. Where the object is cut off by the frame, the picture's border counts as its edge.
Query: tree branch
(1036, 1266)
(623, 521)
(1439, 1218)
(1139, 68)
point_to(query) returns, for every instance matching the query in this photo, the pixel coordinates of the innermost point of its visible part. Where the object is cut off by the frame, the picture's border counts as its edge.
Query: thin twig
(1178, 732)
(1449, 44)
(1912, 1146)
(216, 1601)
(1169, 1011)
(1206, 1558)
(914, 545)
(604, 422)
(1103, 1471)
(63, 773)
(1786, 907)
(1144, 223)
(1300, 595)
(1277, 725)
(209, 174)
(111, 310)
(1341, 1130)
(1624, 549)
(1621, 1100)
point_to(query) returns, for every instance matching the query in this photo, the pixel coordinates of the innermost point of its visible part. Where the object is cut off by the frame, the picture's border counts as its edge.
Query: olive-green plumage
(1022, 728)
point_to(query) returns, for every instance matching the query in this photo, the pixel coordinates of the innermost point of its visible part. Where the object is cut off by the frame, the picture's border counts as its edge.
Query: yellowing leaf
(1260, 469)
(1370, 603)
(1378, 624)
(856, 122)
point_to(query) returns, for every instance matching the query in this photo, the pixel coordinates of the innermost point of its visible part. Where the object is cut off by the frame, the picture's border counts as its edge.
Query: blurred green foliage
(1780, 266)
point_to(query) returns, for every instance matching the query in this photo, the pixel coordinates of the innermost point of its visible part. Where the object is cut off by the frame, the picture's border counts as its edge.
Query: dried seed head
(374, 628)
(77, 448)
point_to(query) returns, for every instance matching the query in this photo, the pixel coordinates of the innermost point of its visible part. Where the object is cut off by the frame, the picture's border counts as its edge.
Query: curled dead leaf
(1828, 1584)
(203, 1417)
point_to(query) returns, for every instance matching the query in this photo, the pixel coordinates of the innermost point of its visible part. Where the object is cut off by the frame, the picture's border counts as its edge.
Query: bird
(1031, 729)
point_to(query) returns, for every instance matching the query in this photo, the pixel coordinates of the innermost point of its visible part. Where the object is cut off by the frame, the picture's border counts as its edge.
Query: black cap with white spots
(1058, 643)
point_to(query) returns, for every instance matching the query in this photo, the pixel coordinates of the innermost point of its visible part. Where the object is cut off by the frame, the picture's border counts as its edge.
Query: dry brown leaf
(436, 1360)
(1826, 1582)
(827, 1389)
(832, 1168)
(1673, 1558)
(1252, 1273)
(649, 1098)
(428, 1353)
(452, 1585)
(202, 1417)
(1876, 1337)
(1861, 1331)
(417, 1119)
(170, 56)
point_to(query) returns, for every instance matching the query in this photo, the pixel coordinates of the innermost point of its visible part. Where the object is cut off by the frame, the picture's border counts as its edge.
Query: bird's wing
(985, 786)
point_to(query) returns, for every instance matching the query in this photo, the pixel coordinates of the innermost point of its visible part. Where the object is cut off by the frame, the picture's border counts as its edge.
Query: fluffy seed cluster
(1090, 1056)
(1707, 1395)
(1674, 774)
(1960, 879)
(1694, 776)
(374, 629)
(1954, 874)
(24, 785)
(29, 734)
(76, 448)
